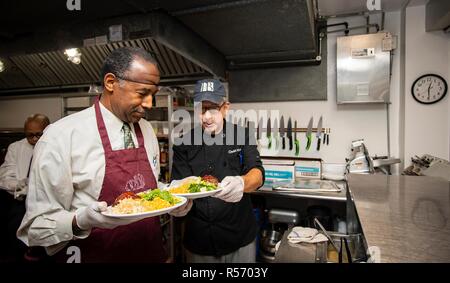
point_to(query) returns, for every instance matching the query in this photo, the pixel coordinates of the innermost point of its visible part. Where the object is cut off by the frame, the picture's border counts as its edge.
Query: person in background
(14, 173)
(86, 160)
(221, 228)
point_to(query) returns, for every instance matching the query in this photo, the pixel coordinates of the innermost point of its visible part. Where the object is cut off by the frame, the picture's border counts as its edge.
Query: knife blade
(296, 141)
(269, 132)
(238, 121)
(309, 134)
(275, 133)
(319, 133)
(258, 130)
(282, 133)
(289, 133)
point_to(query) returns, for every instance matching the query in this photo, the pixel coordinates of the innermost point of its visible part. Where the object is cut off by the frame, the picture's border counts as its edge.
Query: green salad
(165, 195)
(201, 186)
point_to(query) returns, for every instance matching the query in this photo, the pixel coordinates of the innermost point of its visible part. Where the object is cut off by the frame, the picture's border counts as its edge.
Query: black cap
(209, 90)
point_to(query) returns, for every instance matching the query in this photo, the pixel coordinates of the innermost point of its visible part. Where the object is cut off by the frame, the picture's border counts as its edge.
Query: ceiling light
(73, 55)
(2, 66)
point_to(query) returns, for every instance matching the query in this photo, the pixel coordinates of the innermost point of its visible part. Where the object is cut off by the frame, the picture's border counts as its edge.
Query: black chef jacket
(215, 227)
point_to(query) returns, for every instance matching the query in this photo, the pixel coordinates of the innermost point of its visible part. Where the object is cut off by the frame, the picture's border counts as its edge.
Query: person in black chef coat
(221, 228)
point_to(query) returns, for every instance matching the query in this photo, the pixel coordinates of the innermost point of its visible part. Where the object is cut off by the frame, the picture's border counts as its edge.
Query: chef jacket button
(67, 236)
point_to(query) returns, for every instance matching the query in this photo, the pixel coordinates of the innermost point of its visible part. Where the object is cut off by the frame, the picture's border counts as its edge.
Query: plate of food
(195, 187)
(145, 204)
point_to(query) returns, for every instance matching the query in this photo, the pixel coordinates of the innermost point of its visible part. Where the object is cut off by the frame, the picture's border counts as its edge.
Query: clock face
(429, 89)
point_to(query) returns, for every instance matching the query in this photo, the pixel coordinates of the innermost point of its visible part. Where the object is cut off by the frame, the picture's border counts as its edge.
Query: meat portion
(126, 195)
(210, 179)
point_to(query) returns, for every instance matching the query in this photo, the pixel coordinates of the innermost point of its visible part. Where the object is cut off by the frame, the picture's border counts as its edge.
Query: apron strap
(101, 127)
(140, 137)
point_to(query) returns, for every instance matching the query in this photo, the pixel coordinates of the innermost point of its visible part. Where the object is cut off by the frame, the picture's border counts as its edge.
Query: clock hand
(429, 91)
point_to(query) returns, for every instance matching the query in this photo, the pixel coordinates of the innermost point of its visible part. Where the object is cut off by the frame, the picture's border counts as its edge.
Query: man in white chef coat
(85, 160)
(14, 174)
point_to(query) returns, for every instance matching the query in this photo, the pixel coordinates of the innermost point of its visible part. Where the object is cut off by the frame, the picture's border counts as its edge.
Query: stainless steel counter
(406, 217)
(334, 196)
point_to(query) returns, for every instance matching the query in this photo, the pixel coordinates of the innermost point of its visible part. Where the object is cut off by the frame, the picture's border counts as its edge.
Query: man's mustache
(137, 110)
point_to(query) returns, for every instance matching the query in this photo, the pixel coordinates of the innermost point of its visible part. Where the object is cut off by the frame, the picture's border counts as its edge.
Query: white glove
(232, 189)
(182, 210)
(90, 217)
(21, 189)
(162, 185)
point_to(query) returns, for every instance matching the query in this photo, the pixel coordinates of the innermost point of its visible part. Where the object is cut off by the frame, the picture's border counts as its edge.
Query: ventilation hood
(190, 39)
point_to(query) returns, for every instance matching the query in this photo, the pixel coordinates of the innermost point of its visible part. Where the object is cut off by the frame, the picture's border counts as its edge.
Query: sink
(355, 244)
(321, 252)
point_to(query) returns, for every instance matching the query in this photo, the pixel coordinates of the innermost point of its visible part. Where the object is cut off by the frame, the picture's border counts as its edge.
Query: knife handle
(324, 138)
(328, 139)
(270, 142)
(308, 142)
(318, 144)
(284, 143)
(297, 147)
(291, 146)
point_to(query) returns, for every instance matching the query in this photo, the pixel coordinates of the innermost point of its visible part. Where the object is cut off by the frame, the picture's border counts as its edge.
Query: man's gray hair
(39, 118)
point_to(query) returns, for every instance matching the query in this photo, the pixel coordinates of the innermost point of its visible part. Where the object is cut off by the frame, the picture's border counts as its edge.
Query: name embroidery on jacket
(231, 151)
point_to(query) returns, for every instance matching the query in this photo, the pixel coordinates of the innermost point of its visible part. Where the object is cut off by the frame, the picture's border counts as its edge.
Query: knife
(269, 133)
(282, 133)
(289, 133)
(258, 129)
(328, 136)
(319, 133)
(296, 141)
(309, 134)
(238, 121)
(275, 133)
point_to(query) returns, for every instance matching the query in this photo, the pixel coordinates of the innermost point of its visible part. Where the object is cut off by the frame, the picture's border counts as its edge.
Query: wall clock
(429, 88)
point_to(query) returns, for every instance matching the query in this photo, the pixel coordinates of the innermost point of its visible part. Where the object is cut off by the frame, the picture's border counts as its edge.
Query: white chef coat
(67, 174)
(15, 167)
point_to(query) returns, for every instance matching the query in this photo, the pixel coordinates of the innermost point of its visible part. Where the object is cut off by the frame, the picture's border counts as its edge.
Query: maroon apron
(125, 170)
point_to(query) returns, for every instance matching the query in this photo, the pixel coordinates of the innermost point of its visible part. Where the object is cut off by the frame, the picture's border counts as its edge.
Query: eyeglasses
(32, 135)
(213, 109)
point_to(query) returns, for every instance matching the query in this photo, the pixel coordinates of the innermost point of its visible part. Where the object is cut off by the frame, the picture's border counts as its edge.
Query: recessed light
(73, 55)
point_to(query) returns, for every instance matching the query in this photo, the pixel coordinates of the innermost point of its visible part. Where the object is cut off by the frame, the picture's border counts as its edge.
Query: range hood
(38, 60)
(438, 15)
(251, 33)
(48, 69)
(190, 38)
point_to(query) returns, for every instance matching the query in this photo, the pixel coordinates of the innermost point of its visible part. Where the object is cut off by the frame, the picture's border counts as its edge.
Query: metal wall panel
(362, 69)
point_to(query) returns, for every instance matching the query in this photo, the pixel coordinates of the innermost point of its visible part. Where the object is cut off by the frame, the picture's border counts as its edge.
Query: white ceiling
(339, 7)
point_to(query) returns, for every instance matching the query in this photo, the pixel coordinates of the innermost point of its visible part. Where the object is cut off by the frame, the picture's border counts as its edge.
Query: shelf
(187, 108)
(75, 108)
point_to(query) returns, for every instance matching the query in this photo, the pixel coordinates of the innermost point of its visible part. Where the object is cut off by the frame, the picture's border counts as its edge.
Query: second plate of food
(195, 187)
